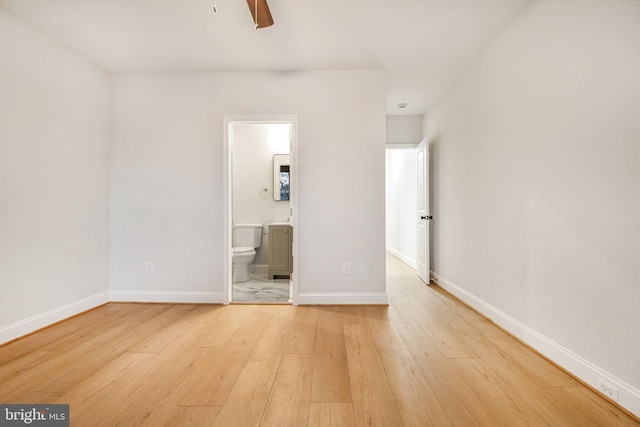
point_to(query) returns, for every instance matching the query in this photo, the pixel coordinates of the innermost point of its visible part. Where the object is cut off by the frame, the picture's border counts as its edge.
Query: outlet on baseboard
(148, 267)
(608, 389)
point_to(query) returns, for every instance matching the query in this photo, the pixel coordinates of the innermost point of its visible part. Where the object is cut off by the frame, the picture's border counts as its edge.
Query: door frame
(413, 263)
(227, 195)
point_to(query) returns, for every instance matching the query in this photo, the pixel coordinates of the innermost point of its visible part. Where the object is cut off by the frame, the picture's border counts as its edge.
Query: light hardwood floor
(426, 360)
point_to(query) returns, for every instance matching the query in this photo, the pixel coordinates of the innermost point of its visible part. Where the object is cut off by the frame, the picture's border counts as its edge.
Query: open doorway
(401, 203)
(407, 205)
(260, 230)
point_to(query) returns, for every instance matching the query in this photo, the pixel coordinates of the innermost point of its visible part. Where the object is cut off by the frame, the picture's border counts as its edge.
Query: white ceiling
(422, 44)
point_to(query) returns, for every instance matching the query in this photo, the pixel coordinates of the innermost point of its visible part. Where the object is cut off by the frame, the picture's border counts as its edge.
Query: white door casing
(228, 122)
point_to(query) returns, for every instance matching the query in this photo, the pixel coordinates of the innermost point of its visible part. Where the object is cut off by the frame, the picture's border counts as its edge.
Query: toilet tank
(247, 235)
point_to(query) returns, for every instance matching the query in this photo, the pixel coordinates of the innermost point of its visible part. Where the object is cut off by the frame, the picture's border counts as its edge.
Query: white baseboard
(260, 269)
(628, 396)
(33, 323)
(402, 257)
(343, 298)
(186, 297)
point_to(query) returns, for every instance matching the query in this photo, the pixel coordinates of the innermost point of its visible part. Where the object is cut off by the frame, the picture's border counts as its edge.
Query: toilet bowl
(241, 264)
(246, 239)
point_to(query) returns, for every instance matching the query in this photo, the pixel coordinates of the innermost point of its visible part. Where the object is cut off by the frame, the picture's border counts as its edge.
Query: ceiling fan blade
(264, 18)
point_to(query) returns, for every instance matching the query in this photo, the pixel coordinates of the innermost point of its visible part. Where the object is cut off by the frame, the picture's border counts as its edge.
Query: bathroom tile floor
(260, 289)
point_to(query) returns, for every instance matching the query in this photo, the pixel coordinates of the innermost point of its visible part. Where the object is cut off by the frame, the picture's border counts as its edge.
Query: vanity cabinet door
(280, 256)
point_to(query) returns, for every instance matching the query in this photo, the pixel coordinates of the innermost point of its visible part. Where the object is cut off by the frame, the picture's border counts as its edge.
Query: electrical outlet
(149, 267)
(346, 268)
(608, 389)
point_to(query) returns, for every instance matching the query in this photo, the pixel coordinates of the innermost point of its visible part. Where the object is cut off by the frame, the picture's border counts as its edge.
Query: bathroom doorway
(260, 232)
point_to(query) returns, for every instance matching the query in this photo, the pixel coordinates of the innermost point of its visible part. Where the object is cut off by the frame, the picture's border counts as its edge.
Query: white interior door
(422, 217)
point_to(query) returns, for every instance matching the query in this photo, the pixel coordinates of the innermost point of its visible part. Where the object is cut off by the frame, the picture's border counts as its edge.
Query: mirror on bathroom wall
(281, 177)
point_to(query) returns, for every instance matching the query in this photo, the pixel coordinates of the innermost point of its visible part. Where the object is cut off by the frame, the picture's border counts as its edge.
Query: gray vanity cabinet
(280, 254)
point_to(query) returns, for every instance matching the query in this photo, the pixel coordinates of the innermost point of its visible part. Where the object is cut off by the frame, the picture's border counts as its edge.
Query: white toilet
(246, 238)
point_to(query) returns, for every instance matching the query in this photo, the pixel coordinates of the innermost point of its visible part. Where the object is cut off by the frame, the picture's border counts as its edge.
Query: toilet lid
(242, 250)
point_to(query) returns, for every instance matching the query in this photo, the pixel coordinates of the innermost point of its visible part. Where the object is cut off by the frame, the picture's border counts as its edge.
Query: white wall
(401, 204)
(403, 129)
(54, 181)
(253, 150)
(167, 160)
(536, 185)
